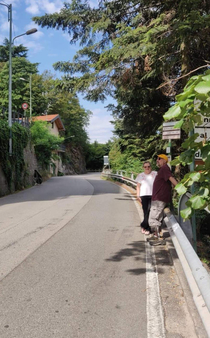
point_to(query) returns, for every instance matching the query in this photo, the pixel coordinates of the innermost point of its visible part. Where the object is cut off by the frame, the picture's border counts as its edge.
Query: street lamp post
(9, 7)
(31, 31)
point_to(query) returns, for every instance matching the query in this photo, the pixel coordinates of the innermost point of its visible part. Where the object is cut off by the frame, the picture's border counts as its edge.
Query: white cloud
(33, 9)
(33, 46)
(14, 3)
(38, 6)
(100, 128)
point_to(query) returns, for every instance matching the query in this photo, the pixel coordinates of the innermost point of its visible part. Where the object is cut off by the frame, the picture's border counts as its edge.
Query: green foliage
(17, 51)
(44, 142)
(20, 89)
(124, 159)
(94, 156)
(191, 107)
(13, 166)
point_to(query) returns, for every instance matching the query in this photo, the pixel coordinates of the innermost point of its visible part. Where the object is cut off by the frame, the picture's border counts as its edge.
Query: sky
(48, 46)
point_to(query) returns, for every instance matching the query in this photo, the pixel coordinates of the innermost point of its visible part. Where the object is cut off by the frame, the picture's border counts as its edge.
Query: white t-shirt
(146, 181)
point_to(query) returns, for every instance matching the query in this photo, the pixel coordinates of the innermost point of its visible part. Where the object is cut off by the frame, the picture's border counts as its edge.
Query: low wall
(28, 172)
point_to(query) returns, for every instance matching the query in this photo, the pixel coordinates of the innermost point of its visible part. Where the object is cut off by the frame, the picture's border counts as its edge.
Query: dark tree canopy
(17, 51)
(139, 52)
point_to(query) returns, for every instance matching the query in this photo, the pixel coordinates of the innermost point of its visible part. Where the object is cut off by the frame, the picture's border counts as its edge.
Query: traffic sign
(25, 105)
(169, 132)
(106, 160)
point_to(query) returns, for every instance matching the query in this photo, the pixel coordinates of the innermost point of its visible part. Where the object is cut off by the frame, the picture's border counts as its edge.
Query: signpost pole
(168, 150)
(192, 190)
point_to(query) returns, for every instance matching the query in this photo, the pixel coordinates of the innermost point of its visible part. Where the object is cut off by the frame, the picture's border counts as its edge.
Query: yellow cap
(164, 157)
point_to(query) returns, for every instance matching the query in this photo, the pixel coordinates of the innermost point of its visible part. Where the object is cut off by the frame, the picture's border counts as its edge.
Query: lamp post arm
(17, 37)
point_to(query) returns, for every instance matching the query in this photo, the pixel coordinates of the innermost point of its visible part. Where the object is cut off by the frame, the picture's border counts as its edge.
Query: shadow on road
(137, 250)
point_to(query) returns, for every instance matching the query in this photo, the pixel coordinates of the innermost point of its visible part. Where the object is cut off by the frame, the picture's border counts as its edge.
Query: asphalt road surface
(73, 263)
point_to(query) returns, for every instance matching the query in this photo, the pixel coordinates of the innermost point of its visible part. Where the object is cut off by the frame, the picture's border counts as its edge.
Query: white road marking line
(155, 321)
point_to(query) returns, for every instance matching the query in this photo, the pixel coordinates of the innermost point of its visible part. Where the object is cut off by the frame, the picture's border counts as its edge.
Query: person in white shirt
(145, 182)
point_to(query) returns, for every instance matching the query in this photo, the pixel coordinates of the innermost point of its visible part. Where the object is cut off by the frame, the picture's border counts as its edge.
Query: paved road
(73, 264)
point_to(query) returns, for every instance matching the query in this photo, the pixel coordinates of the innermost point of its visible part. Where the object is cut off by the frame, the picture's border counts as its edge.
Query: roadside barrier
(189, 258)
(120, 177)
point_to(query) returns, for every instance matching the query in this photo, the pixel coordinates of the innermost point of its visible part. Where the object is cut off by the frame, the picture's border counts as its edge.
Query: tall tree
(22, 68)
(17, 51)
(136, 52)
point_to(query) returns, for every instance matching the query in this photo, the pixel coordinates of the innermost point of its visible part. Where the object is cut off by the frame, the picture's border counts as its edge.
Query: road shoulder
(181, 317)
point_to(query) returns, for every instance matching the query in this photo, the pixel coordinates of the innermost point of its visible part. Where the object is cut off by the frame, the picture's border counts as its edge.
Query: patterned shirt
(146, 181)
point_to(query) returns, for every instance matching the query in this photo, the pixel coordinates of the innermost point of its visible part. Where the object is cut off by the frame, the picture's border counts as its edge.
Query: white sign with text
(204, 133)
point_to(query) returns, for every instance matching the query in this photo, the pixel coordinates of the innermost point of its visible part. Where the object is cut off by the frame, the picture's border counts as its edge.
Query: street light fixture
(29, 32)
(9, 7)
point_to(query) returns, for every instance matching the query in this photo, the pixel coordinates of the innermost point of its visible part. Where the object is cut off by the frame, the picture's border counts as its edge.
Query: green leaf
(198, 119)
(206, 77)
(195, 177)
(189, 143)
(187, 156)
(207, 162)
(175, 161)
(203, 87)
(184, 103)
(205, 151)
(204, 192)
(186, 213)
(188, 94)
(181, 189)
(197, 202)
(172, 113)
(179, 124)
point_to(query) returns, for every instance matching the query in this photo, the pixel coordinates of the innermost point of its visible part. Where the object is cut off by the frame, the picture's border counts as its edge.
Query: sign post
(170, 133)
(106, 162)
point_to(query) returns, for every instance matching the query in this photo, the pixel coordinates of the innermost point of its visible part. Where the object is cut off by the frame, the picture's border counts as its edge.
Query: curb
(189, 291)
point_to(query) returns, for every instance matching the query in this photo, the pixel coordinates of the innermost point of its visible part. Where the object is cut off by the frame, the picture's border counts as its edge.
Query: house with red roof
(55, 127)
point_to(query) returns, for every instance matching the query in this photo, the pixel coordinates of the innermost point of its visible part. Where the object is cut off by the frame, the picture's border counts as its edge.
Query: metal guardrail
(120, 177)
(186, 252)
(198, 271)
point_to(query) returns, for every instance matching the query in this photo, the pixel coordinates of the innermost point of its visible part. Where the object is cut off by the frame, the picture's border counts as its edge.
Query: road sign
(169, 132)
(25, 105)
(106, 160)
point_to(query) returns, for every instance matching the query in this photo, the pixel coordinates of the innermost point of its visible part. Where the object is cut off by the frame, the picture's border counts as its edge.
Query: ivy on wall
(13, 166)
